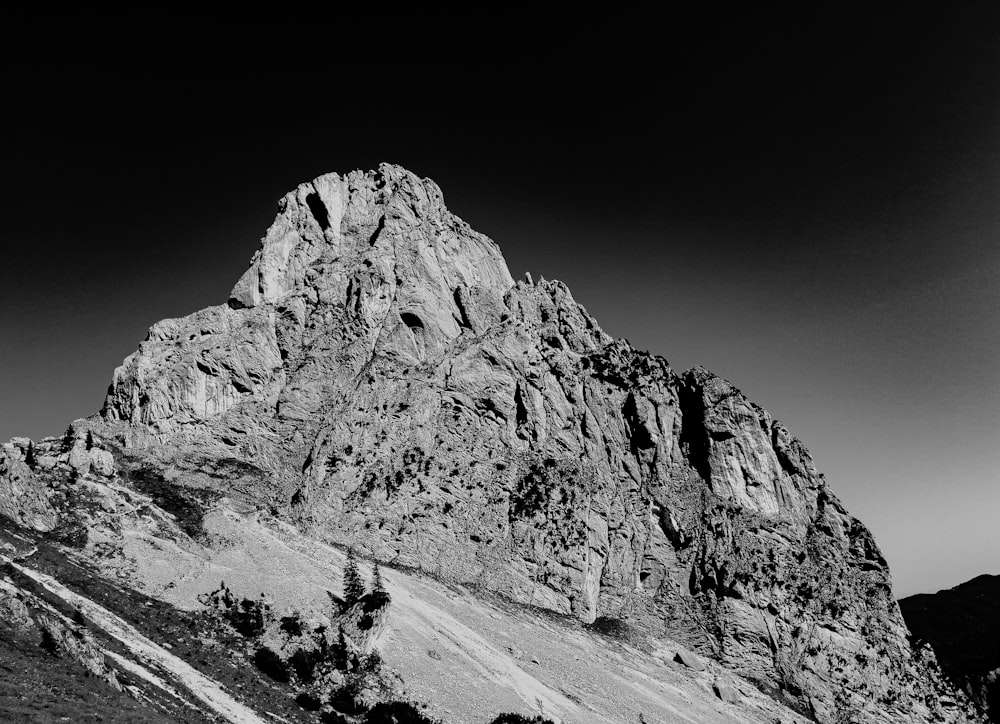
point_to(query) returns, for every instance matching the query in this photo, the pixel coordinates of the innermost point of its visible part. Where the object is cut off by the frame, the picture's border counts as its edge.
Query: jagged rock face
(21, 499)
(388, 379)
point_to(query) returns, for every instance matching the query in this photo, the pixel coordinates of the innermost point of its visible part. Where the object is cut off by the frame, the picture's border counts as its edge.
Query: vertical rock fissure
(463, 315)
(378, 230)
(694, 437)
(522, 411)
(318, 210)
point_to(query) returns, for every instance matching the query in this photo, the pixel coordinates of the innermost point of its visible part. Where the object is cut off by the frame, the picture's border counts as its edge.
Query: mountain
(377, 380)
(962, 625)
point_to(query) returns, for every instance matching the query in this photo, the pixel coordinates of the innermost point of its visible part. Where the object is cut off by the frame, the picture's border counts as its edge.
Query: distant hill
(962, 624)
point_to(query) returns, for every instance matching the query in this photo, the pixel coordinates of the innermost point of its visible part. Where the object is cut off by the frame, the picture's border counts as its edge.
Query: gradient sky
(814, 216)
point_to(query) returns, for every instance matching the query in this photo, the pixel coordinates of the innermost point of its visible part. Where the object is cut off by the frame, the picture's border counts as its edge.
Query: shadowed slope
(962, 624)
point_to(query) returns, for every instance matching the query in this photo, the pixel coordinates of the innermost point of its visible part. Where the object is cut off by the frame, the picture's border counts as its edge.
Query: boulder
(79, 458)
(689, 660)
(726, 691)
(102, 462)
(22, 497)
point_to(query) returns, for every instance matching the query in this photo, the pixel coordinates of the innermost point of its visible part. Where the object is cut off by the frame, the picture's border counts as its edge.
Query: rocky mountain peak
(365, 261)
(387, 223)
(378, 378)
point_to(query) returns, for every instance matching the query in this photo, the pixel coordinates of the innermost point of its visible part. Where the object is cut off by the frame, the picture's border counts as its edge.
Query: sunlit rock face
(22, 499)
(392, 387)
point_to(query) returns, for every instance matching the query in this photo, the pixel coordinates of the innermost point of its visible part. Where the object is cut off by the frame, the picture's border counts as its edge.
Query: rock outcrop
(378, 376)
(25, 616)
(22, 499)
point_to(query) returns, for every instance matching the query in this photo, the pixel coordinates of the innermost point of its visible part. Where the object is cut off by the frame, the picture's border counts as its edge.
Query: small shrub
(292, 625)
(49, 644)
(271, 664)
(397, 712)
(249, 617)
(304, 663)
(614, 627)
(375, 601)
(344, 700)
(71, 533)
(307, 701)
(252, 617)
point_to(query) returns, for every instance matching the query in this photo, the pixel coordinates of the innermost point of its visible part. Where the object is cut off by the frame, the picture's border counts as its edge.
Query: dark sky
(811, 213)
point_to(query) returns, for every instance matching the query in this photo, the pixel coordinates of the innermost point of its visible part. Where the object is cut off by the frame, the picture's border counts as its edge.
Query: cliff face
(379, 377)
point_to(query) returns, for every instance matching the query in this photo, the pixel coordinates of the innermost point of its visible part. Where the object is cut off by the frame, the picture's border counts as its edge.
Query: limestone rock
(14, 612)
(79, 458)
(77, 643)
(293, 635)
(47, 462)
(102, 462)
(689, 660)
(22, 499)
(378, 377)
(363, 623)
(726, 692)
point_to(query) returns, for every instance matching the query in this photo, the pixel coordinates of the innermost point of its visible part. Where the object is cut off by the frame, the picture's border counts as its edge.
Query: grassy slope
(36, 686)
(197, 638)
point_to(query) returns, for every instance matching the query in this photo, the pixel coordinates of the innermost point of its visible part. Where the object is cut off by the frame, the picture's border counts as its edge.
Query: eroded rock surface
(377, 376)
(22, 498)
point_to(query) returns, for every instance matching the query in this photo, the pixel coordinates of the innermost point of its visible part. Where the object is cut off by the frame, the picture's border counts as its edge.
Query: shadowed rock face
(378, 375)
(962, 624)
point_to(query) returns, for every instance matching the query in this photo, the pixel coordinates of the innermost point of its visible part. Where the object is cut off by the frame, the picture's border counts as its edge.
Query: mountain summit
(377, 378)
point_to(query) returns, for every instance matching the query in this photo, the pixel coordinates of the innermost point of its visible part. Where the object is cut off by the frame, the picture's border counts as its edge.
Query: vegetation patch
(70, 532)
(613, 628)
(187, 505)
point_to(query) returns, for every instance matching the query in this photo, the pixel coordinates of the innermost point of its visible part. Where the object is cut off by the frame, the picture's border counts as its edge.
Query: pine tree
(354, 584)
(377, 585)
(29, 455)
(90, 440)
(68, 438)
